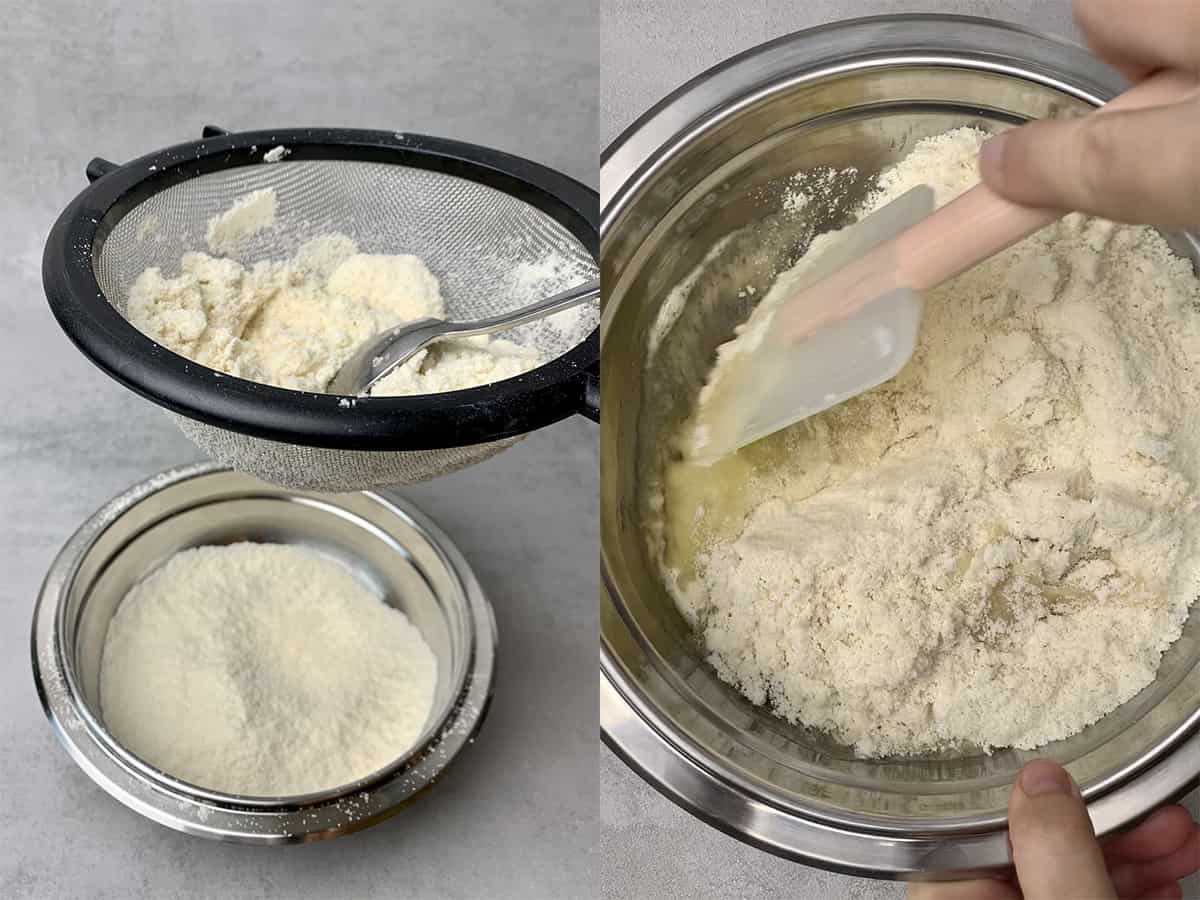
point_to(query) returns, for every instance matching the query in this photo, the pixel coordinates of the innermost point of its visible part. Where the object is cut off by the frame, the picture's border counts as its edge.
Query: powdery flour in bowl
(265, 670)
(993, 549)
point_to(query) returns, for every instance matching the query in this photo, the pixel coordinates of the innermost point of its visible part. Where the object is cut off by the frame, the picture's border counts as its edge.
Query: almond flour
(293, 322)
(263, 669)
(993, 549)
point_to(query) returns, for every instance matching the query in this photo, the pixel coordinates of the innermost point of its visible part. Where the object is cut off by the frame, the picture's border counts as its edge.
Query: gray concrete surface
(649, 48)
(514, 816)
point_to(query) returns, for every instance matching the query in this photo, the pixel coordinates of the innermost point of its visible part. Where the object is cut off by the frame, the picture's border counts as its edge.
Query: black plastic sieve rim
(507, 408)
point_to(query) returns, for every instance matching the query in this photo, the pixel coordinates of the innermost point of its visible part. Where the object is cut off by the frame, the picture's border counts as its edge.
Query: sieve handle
(98, 168)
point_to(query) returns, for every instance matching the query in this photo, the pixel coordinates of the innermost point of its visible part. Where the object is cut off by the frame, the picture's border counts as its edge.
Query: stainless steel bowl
(707, 168)
(389, 545)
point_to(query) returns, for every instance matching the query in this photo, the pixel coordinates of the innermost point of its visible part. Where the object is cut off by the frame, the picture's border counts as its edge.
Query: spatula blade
(775, 380)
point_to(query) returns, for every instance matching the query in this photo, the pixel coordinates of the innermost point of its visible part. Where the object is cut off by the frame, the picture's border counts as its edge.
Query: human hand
(1140, 166)
(1057, 856)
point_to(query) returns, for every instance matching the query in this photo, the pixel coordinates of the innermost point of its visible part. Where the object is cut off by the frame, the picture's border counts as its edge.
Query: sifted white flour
(994, 548)
(263, 669)
(293, 323)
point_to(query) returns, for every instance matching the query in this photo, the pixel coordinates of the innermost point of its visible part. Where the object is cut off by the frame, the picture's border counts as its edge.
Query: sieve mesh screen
(491, 252)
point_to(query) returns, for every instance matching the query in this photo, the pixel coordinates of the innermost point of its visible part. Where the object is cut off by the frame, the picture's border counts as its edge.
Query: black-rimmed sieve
(475, 216)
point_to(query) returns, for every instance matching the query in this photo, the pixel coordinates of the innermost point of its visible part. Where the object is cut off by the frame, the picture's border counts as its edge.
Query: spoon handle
(582, 293)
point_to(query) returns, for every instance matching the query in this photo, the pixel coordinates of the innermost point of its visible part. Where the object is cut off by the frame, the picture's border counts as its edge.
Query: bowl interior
(380, 547)
(714, 215)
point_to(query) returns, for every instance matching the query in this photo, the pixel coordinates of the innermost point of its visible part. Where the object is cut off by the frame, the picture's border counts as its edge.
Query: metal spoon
(389, 350)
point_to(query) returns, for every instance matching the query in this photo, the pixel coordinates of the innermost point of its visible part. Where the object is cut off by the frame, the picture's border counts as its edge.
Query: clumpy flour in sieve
(993, 549)
(293, 322)
(263, 669)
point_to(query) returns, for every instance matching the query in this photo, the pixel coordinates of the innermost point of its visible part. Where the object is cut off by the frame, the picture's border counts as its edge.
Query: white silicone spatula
(848, 320)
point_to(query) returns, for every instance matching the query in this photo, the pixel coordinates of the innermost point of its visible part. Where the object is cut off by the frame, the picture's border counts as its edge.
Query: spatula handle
(980, 223)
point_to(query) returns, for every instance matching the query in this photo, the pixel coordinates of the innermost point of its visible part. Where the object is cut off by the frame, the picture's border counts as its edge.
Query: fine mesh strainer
(497, 230)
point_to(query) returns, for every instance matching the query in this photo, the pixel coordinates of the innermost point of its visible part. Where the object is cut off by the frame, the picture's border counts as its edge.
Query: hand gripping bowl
(706, 166)
(474, 215)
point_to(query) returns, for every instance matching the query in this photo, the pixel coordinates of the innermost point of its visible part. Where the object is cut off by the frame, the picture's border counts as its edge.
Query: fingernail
(991, 154)
(1042, 777)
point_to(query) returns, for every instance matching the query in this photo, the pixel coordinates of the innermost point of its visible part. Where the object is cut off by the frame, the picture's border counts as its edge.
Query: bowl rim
(637, 731)
(257, 819)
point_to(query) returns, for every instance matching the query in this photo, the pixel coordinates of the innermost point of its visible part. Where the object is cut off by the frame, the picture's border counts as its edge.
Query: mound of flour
(996, 547)
(263, 669)
(292, 323)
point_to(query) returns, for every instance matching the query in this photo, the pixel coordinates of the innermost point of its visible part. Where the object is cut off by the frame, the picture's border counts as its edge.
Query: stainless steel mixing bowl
(707, 168)
(392, 548)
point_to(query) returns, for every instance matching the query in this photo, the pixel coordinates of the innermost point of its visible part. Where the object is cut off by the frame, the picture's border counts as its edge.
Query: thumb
(1139, 166)
(1055, 849)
